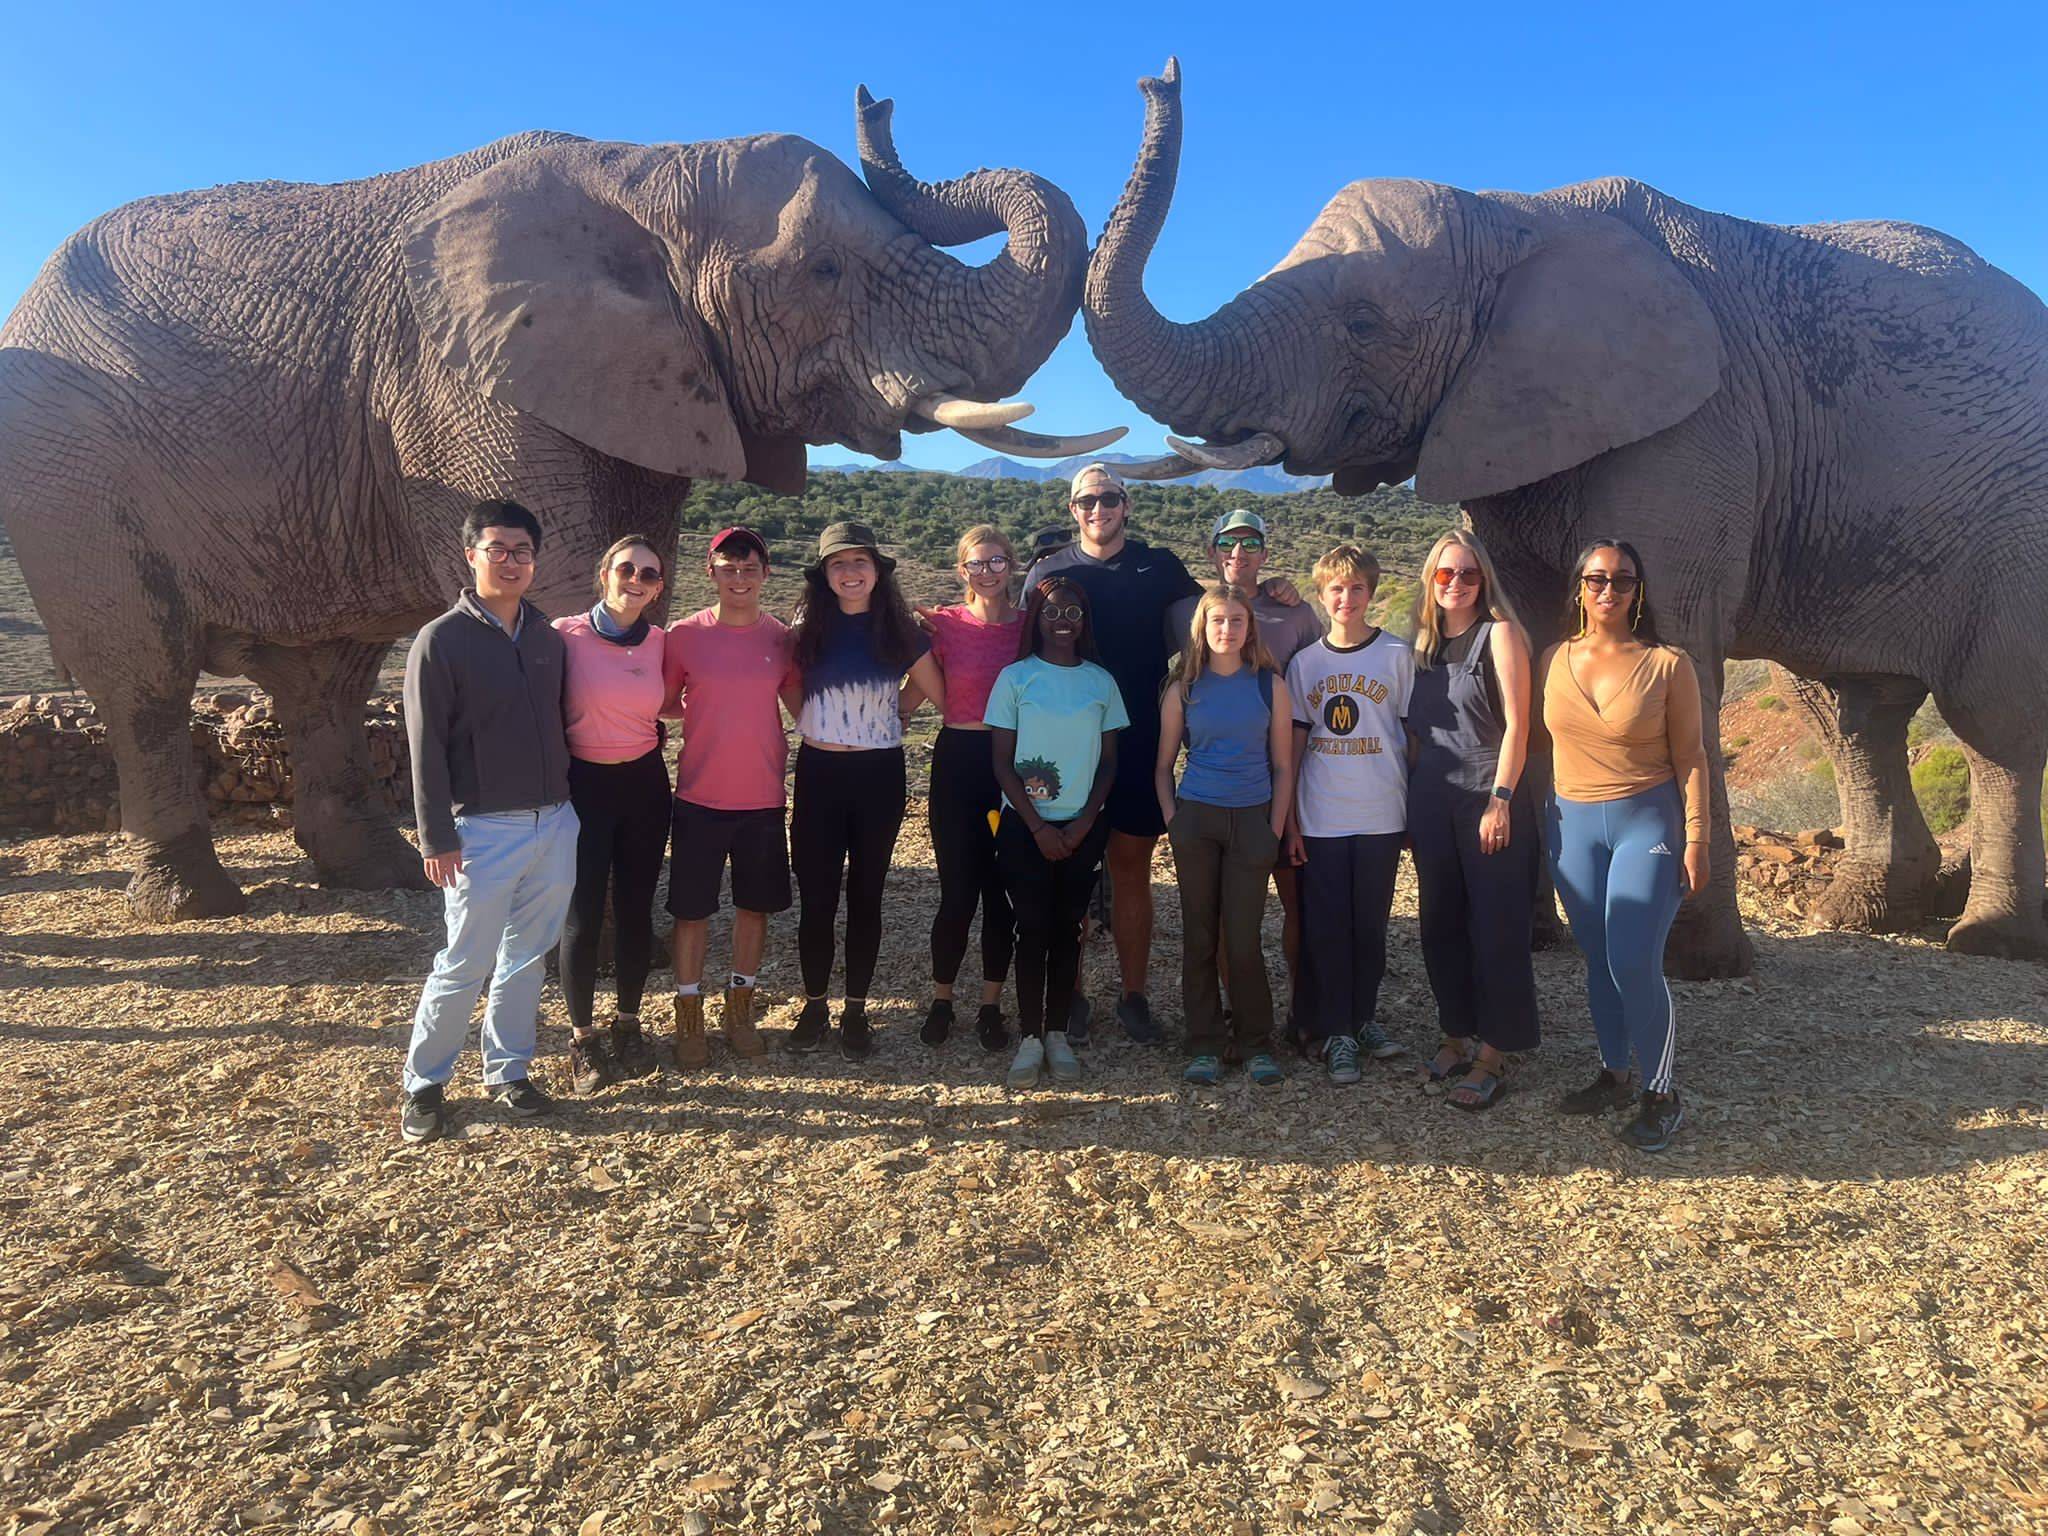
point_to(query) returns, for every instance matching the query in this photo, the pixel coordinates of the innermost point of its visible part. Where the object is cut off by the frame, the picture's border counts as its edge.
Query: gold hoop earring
(1642, 595)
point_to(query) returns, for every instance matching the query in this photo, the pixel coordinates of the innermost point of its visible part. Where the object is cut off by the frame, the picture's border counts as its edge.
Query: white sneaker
(1030, 1063)
(1060, 1059)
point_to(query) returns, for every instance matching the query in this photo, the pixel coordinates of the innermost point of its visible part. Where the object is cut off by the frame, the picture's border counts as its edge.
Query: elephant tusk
(1037, 445)
(1260, 448)
(952, 411)
(1170, 467)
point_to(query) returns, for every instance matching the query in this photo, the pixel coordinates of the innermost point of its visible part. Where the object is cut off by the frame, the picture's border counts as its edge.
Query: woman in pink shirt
(618, 784)
(971, 642)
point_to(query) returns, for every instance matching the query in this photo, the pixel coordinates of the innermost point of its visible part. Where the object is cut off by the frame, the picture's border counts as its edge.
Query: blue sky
(1784, 113)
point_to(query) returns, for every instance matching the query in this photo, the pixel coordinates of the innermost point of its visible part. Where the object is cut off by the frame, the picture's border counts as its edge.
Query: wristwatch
(1502, 792)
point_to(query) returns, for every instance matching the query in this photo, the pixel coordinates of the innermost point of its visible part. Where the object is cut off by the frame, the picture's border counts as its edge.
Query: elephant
(1829, 441)
(240, 428)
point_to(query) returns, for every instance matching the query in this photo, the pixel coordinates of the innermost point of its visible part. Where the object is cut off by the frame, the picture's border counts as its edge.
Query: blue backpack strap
(1266, 688)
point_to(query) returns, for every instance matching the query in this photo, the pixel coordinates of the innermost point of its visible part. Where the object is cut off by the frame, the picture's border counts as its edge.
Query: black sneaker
(1134, 1013)
(1606, 1092)
(1656, 1122)
(992, 1032)
(631, 1053)
(423, 1117)
(590, 1064)
(523, 1097)
(938, 1022)
(811, 1025)
(1077, 1020)
(856, 1036)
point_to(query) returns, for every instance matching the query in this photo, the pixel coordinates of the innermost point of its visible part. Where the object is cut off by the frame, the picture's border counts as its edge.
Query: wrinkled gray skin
(240, 428)
(1829, 442)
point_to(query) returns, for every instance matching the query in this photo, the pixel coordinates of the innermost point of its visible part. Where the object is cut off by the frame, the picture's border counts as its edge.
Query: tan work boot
(692, 1049)
(740, 1033)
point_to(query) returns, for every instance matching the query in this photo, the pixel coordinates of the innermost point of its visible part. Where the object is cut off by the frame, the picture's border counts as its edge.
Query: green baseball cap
(1235, 518)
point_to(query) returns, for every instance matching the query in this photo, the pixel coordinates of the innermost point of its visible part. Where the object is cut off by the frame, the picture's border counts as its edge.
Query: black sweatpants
(1048, 897)
(964, 791)
(1476, 914)
(624, 811)
(1347, 893)
(847, 810)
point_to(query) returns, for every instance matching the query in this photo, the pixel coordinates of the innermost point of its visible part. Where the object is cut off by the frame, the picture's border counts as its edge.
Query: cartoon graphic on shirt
(1040, 777)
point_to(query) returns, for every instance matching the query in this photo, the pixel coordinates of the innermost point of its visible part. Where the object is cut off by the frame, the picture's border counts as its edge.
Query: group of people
(1120, 701)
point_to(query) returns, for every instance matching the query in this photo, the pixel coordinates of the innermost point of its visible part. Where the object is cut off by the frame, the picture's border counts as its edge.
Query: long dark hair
(1642, 617)
(895, 633)
(1034, 604)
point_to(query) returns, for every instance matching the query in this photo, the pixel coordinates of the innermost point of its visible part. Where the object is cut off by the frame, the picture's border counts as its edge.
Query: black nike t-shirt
(1128, 596)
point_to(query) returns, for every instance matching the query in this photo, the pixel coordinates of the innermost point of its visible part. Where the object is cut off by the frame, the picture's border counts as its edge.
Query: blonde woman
(1471, 826)
(1229, 707)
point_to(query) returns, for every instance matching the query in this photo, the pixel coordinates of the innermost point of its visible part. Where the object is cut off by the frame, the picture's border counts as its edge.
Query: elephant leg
(1885, 880)
(338, 808)
(2007, 745)
(1707, 939)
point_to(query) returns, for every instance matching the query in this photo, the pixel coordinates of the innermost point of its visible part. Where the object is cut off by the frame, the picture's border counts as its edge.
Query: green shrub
(1769, 701)
(1736, 743)
(1941, 783)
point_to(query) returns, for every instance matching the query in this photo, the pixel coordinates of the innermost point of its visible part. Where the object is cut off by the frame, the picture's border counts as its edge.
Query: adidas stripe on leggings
(1618, 866)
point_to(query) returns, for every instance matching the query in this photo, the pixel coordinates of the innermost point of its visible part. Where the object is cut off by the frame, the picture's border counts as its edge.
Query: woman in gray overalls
(1472, 827)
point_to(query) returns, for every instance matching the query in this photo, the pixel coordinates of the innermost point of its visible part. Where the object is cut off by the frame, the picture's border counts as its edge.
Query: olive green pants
(1223, 858)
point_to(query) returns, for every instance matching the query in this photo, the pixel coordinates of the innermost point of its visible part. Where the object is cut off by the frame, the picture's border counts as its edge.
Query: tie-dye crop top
(850, 695)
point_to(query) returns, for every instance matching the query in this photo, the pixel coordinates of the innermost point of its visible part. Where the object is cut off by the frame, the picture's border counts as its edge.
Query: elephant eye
(1362, 327)
(825, 268)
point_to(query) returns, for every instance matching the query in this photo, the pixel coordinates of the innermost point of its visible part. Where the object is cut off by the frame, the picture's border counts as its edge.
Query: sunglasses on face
(498, 554)
(626, 570)
(1073, 613)
(1089, 501)
(1445, 576)
(993, 565)
(1623, 582)
(1250, 544)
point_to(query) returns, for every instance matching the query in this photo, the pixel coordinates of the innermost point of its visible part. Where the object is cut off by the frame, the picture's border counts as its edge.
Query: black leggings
(848, 809)
(964, 791)
(1049, 898)
(624, 811)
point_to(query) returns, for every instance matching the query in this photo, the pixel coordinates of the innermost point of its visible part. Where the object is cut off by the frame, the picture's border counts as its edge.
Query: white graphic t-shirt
(1354, 773)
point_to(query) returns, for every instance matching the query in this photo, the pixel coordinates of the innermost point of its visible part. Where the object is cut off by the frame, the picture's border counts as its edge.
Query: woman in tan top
(1627, 823)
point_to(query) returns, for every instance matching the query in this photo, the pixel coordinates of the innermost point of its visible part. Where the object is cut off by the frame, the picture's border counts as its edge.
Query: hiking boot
(590, 1064)
(991, 1031)
(938, 1022)
(1264, 1070)
(1029, 1065)
(1134, 1013)
(1340, 1056)
(1377, 1044)
(632, 1052)
(522, 1096)
(692, 1049)
(738, 1022)
(856, 1035)
(1606, 1092)
(1077, 1020)
(1060, 1059)
(423, 1117)
(811, 1025)
(1204, 1071)
(1656, 1122)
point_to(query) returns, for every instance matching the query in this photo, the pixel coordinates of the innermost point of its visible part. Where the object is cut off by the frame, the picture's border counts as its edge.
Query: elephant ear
(558, 304)
(1595, 341)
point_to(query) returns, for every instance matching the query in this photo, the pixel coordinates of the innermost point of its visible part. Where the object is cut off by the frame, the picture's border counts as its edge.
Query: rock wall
(57, 768)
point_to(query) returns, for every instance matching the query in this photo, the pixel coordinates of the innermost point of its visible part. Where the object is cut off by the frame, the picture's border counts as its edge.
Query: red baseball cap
(749, 541)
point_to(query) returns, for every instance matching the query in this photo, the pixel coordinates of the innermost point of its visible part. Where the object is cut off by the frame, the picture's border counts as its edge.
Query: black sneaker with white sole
(423, 1117)
(856, 1035)
(809, 1031)
(523, 1097)
(1656, 1122)
(990, 1029)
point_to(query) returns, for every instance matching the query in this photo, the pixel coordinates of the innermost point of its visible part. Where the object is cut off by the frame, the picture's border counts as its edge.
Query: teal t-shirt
(1059, 715)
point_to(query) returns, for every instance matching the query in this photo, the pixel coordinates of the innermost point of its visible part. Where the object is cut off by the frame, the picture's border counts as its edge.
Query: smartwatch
(1502, 792)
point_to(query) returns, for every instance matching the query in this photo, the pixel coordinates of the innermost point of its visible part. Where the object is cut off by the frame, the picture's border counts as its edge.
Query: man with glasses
(490, 785)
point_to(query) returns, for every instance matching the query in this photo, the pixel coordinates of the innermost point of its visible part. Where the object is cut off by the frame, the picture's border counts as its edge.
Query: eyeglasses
(1445, 576)
(993, 565)
(1087, 502)
(498, 554)
(1073, 613)
(626, 570)
(1623, 582)
(1250, 544)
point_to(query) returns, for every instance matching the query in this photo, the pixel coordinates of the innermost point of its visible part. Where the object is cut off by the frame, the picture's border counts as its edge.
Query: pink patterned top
(970, 652)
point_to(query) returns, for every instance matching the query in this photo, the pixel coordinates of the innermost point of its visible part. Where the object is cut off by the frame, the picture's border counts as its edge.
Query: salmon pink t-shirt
(730, 683)
(613, 692)
(971, 652)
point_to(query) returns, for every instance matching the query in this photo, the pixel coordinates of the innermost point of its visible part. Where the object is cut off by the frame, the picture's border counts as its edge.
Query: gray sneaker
(1375, 1042)
(424, 1117)
(1029, 1065)
(1060, 1059)
(1340, 1055)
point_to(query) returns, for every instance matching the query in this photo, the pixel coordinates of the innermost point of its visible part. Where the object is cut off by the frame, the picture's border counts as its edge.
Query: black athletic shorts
(1133, 804)
(701, 840)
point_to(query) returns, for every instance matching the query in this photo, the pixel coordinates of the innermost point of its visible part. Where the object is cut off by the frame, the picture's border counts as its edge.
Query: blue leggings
(1618, 865)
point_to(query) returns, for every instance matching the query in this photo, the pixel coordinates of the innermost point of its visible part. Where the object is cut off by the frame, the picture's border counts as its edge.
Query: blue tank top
(1229, 721)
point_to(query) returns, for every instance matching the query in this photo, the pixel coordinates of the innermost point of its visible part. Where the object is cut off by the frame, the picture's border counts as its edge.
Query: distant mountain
(1264, 481)
(893, 467)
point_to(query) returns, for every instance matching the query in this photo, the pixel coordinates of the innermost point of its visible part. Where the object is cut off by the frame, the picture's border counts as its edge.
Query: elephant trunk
(1170, 370)
(1014, 309)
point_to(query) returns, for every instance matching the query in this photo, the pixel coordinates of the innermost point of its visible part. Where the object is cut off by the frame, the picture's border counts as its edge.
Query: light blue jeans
(504, 913)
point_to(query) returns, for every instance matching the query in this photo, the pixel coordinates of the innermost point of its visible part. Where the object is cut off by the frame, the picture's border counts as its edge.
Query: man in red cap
(725, 670)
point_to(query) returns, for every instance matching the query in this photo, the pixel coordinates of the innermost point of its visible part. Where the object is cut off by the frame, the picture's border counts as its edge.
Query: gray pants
(1223, 858)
